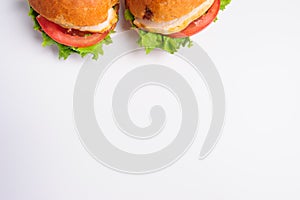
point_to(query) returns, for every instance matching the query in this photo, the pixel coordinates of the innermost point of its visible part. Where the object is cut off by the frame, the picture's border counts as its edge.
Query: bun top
(74, 12)
(161, 10)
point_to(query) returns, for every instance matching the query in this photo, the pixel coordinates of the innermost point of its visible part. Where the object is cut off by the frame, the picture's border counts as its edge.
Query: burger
(75, 26)
(168, 24)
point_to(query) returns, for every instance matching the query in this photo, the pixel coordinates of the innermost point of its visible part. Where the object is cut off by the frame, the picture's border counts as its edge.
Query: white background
(255, 46)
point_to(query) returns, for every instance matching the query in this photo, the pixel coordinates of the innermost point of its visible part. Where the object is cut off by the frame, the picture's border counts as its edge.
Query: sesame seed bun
(74, 12)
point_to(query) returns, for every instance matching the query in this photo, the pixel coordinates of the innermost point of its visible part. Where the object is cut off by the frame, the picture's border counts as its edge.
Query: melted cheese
(175, 25)
(102, 27)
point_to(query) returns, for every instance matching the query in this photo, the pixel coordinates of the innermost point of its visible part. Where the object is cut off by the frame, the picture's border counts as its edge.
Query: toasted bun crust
(74, 12)
(161, 10)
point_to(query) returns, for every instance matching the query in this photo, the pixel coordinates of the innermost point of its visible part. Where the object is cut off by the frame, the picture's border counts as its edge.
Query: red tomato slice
(61, 35)
(200, 23)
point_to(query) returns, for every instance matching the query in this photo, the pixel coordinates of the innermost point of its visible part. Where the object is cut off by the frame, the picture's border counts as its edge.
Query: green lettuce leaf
(128, 16)
(151, 41)
(65, 51)
(33, 15)
(95, 50)
(224, 3)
